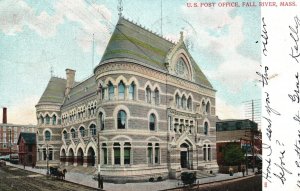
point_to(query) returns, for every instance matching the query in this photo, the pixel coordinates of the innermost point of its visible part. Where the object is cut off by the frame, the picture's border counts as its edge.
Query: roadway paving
(86, 179)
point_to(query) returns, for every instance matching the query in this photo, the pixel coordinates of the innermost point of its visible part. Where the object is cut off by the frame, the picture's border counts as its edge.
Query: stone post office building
(147, 111)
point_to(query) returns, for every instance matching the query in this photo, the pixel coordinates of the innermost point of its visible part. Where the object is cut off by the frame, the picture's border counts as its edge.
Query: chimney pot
(70, 74)
(4, 119)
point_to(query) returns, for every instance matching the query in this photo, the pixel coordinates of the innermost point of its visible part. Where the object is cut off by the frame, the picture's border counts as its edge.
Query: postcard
(149, 95)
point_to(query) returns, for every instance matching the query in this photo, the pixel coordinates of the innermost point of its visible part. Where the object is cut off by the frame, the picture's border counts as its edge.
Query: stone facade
(133, 120)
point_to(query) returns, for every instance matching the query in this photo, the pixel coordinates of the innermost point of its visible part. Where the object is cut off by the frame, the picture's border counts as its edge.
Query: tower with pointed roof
(148, 111)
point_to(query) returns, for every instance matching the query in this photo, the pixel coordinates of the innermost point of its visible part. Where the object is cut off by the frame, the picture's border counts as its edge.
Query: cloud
(219, 36)
(228, 111)
(93, 19)
(16, 15)
(23, 111)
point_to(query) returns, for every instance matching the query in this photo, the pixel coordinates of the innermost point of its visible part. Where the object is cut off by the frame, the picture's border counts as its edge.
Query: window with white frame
(104, 152)
(47, 135)
(111, 91)
(101, 121)
(132, 91)
(117, 153)
(122, 118)
(121, 90)
(127, 153)
(152, 122)
(148, 94)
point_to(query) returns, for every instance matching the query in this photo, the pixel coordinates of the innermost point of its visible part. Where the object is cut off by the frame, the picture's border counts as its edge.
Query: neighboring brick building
(27, 149)
(243, 132)
(9, 134)
(148, 108)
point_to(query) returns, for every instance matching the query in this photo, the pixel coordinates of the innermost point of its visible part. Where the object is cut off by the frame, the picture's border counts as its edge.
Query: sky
(39, 36)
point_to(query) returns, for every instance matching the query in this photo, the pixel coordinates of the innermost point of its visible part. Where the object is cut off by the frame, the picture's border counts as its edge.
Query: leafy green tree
(233, 154)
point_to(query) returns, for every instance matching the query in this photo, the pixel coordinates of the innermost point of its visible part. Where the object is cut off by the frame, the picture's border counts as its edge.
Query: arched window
(54, 120)
(150, 156)
(156, 96)
(122, 119)
(205, 128)
(42, 120)
(177, 98)
(183, 102)
(101, 120)
(81, 130)
(103, 92)
(148, 94)
(127, 148)
(104, 151)
(132, 91)
(73, 134)
(111, 91)
(209, 153)
(47, 119)
(152, 122)
(189, 103)
(157, 154)
(207, 109)
(180, 67)
(47, 135)
(203, 106)
(93, 129)
(44, 154)
(204, 152)
(65, 134)
(121, 89)
(50, 154)
(100, 89)
(117, 153)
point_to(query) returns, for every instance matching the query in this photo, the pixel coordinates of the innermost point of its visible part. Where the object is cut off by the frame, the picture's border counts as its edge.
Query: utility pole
(161, 13)
(10, 145)
(93, 53)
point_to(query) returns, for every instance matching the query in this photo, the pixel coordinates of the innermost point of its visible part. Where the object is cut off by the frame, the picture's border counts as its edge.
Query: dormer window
(180, 66)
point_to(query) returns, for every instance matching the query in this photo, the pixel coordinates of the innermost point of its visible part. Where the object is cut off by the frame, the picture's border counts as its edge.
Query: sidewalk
(145, 186)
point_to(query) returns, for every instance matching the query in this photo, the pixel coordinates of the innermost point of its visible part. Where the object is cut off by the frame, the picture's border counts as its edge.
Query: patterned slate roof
(84, 89)
(30, 138)
(132, 41)
(54, 92)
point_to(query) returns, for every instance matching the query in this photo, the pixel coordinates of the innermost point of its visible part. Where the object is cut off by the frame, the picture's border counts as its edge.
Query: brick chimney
(70, 74)
(4, 119)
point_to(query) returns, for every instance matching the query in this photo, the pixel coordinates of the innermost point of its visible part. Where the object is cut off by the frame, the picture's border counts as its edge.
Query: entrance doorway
(91, 157)
(184, 155)
(183, 159)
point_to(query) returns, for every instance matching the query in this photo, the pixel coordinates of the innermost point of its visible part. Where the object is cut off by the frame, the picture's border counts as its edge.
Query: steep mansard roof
(134, 42)
(84, 89)
(128, 41)
(54, 92)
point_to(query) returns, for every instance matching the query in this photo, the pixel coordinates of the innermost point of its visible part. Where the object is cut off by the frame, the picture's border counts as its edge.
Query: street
(15, 179)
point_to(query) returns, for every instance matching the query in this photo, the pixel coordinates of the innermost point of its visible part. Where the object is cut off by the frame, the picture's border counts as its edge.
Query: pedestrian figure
(243, 170)
(101, 182)
(24, 166)
(100, 185)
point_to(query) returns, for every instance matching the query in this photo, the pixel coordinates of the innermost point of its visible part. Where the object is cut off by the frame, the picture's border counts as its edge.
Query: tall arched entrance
(91, 159)
(71, 157)
(186, 154)
(80, 157)
(63, 156)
